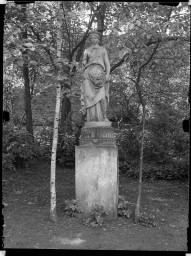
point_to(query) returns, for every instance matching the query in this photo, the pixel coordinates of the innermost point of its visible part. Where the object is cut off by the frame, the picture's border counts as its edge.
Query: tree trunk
(53, 213)
(142, 101)
(101, 9)
(25, 69)
(65, 110)
(27, 99)
(138, 205)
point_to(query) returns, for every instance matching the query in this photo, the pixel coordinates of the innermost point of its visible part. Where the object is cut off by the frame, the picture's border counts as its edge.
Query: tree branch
(131, 79)
(170, 38)
(139, 74)
(169, 14)
(149, 59)
(84, 37)
(119, 63)
(45, 48)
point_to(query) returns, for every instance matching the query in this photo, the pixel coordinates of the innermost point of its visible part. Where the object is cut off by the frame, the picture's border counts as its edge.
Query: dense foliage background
(148, 46)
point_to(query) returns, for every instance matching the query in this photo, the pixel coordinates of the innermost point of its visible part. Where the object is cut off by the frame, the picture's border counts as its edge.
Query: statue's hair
(94, 32)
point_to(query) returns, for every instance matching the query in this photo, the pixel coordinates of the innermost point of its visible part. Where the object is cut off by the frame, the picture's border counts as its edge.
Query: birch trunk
(53, 213)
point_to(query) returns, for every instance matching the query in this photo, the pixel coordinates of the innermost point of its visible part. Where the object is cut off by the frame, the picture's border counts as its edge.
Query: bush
(8, 161)
(148, 220)
(129, 168)
(71, 208)
(65, 146)
(18, 147)
(174, 170)
(44, 138)
(124, 208)
(66, 150)
(96, 217)
(127, 140)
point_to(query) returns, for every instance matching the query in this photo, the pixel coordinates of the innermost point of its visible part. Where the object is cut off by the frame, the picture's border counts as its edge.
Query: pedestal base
(96, 178)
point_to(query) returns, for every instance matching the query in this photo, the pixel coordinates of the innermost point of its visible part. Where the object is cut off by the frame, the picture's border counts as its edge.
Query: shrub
(71, 208)
(44, 138)
(66, 150)
(18, 147)
(8, 161)
(148, 220)
(174, 170)
(96, 217)
(124, 208)
(129, 168)
(128, 143)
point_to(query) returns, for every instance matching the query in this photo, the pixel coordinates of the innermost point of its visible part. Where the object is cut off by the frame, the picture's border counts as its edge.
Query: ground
(26, 198)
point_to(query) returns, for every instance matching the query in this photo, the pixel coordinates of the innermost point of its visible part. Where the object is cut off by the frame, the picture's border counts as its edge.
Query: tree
(23, 61)
(53, 214)
(27, 98)
(130, 32)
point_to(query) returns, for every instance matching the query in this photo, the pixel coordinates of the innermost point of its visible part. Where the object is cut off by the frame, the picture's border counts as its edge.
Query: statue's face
(94, 39)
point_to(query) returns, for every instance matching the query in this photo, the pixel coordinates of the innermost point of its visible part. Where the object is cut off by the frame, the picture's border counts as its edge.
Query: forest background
(148, 46)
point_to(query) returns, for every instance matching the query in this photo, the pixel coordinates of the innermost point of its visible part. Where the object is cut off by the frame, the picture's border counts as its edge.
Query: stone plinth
(96, 170)
(97, 135)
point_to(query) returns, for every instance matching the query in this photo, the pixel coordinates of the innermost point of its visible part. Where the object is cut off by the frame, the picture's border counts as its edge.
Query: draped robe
(95, 88)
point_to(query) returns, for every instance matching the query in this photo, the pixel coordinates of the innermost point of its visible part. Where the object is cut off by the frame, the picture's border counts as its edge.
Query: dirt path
(26, 197)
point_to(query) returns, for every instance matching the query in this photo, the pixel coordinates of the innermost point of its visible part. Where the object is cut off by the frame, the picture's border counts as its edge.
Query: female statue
(95, 86)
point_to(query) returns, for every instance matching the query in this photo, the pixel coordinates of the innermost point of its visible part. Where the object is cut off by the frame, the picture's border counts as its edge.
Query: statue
(96, 157)
(95, 86)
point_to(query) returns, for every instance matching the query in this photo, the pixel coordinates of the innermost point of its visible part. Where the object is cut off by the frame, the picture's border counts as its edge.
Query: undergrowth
(71, 208)
(96, 217)
(148, 220)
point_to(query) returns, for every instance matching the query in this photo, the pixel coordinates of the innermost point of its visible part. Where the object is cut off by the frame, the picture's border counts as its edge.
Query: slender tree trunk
(27, 95)
(27, 99)
(142, 101)
(53, 214)
(100, 19)
(138, 204)
(65, 110)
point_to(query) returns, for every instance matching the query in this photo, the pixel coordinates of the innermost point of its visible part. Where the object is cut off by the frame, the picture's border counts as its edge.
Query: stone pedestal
(96, 169)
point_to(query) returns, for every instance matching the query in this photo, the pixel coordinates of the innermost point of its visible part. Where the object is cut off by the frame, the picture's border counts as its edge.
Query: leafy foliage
(66, 150)
(124, 139)
(148, 220)
(96, 217)
(174, 170)
(124, 208)
(131, 32)
(18, 147)
(165, 146)
(44, 139)
(66, 146)
(71, 208)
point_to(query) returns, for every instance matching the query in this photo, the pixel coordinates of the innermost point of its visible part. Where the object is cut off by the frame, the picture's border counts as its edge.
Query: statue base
(97, 133)
(96, 170)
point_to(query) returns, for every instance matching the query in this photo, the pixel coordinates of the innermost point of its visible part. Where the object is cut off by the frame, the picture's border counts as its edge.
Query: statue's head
(94, 33)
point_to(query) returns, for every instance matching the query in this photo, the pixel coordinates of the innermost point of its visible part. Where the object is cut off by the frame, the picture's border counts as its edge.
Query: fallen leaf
(171, 226)
(30, 203)
(74, 241)
(79, 234)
